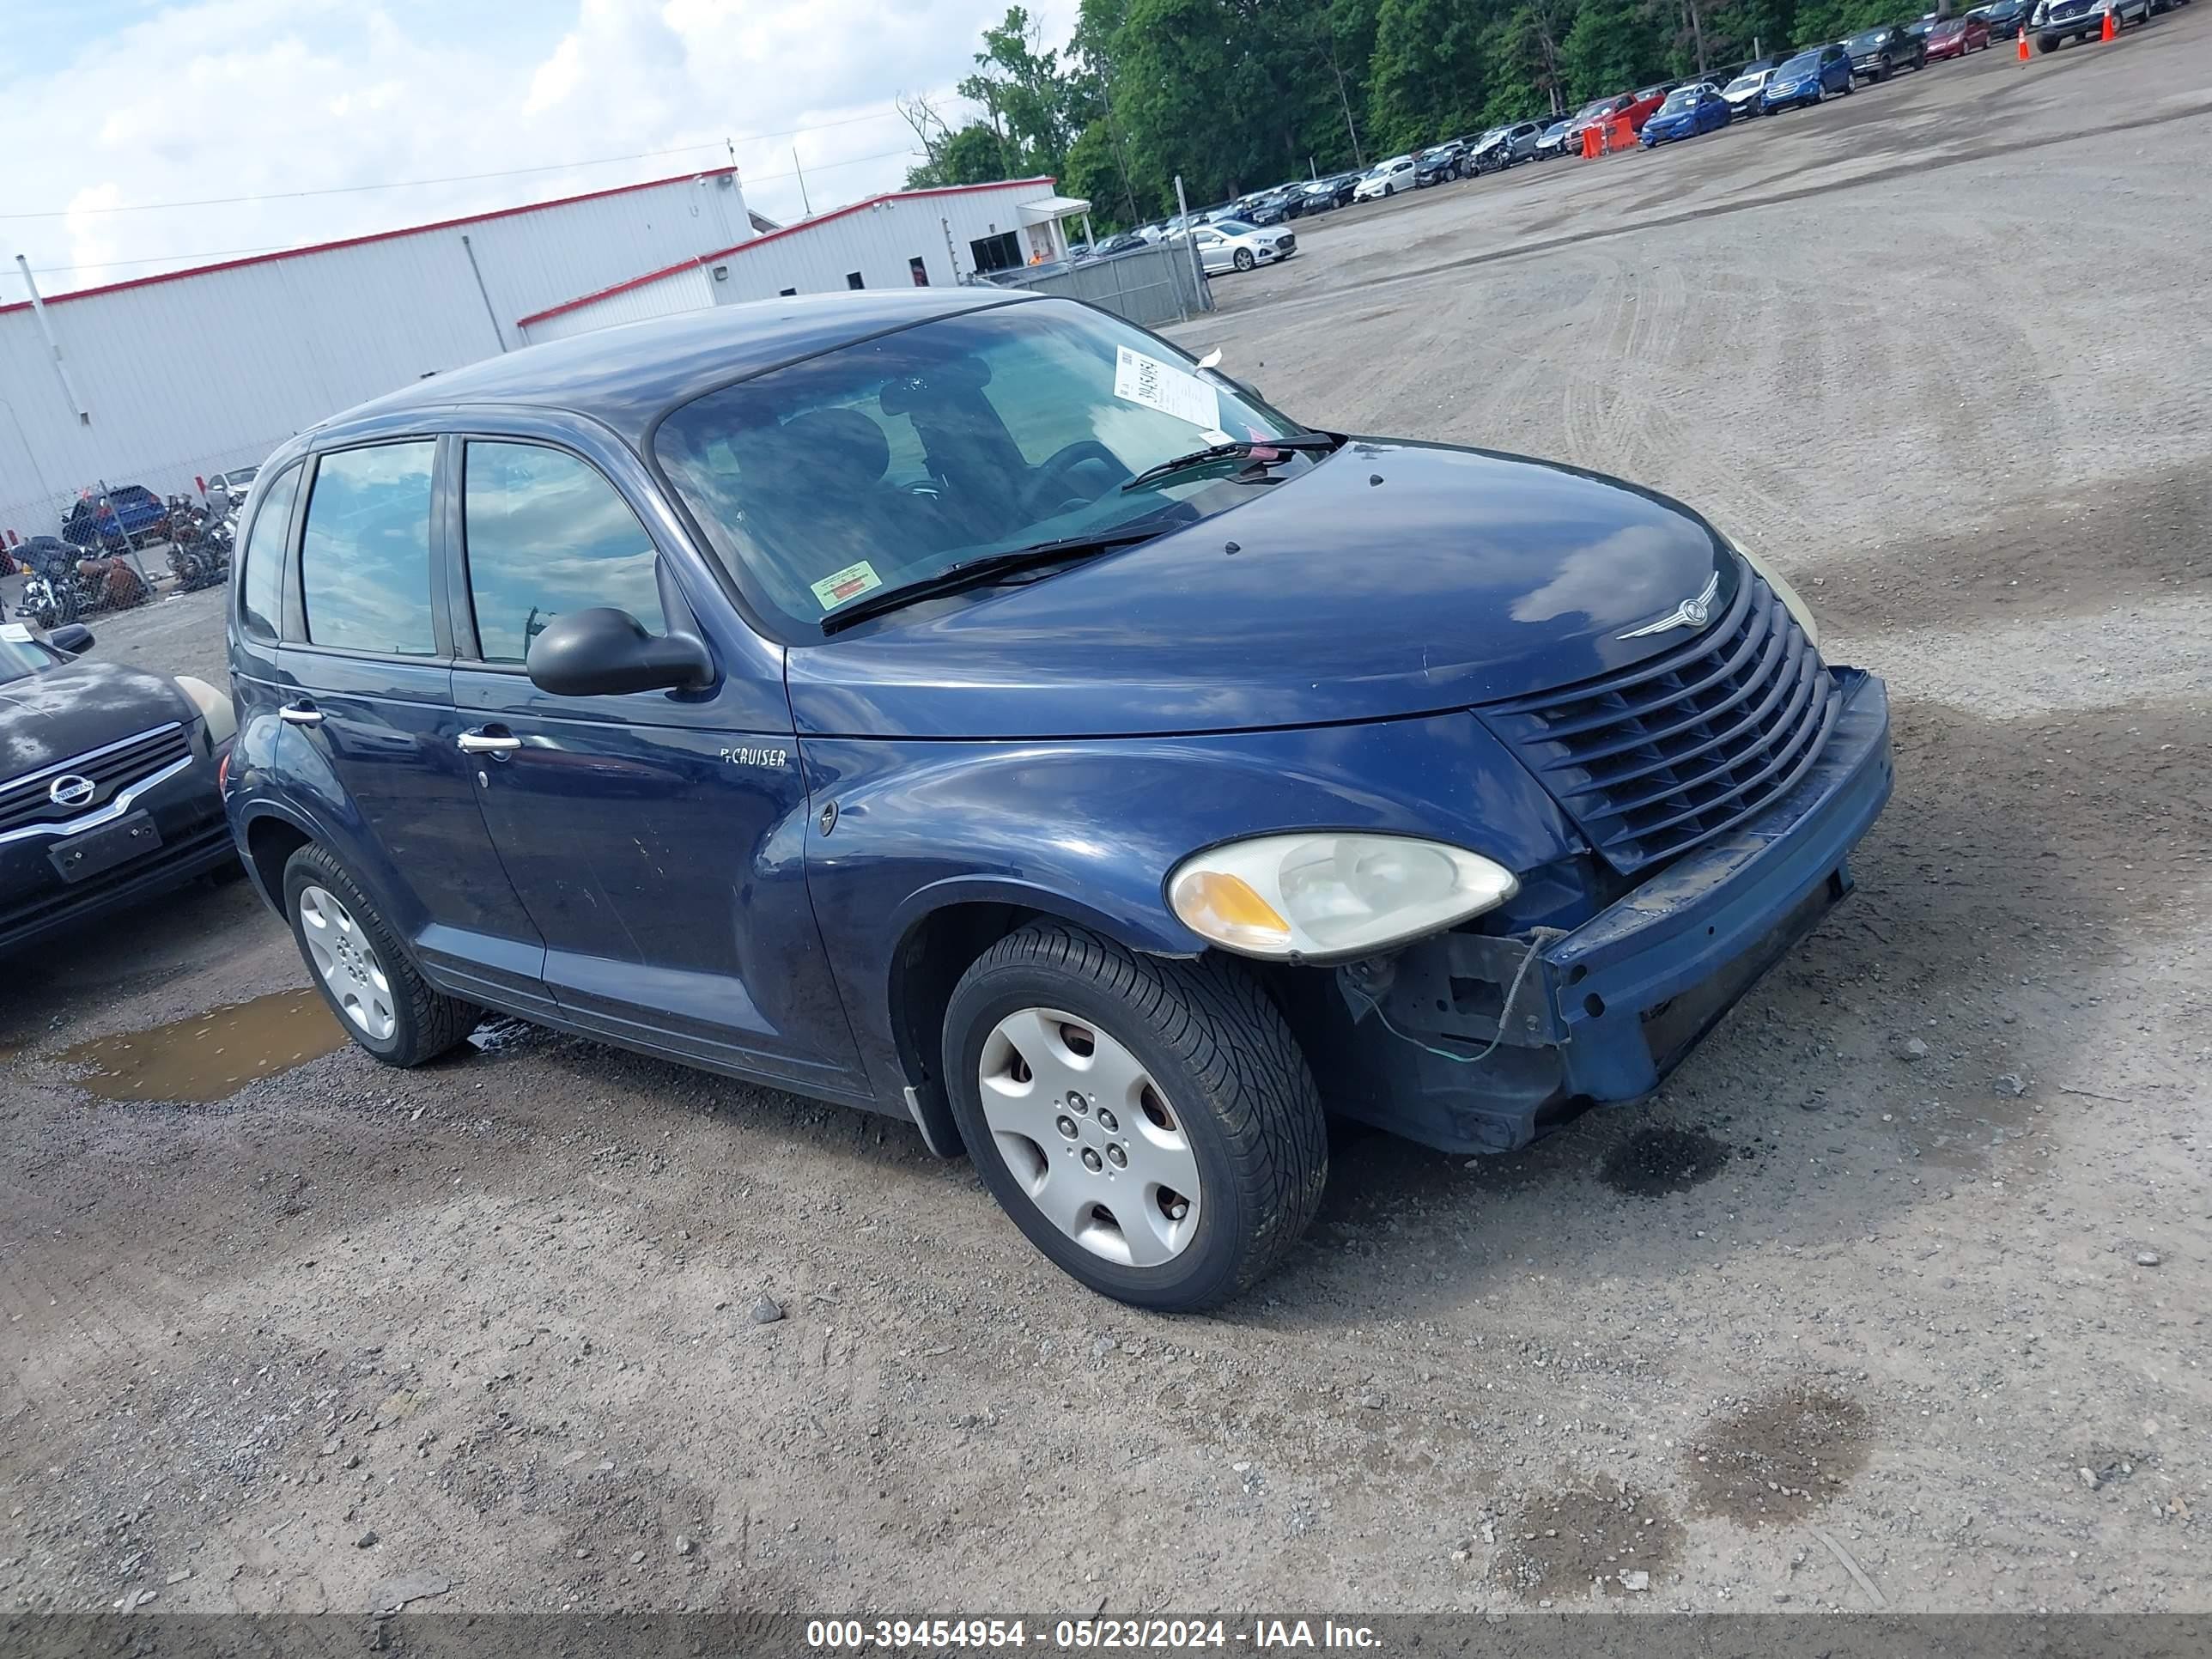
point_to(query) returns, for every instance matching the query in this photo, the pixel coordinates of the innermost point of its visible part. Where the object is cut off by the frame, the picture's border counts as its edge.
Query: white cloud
(265, 97)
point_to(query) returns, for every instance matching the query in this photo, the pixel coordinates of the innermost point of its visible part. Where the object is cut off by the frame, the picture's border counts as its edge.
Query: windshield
(1232, 227)
(1748, 82)
(21, 656)
(1803, 64)
(1685, 98)
(1867, 41)
(1591, 112)
(886, 462)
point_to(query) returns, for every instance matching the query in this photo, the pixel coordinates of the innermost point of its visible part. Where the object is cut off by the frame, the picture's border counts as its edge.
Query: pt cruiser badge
(1691, 613)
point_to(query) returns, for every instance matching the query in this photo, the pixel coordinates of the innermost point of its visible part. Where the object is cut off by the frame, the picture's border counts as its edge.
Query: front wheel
(381, 1002)
(2046, 43)
(1151, 1125)
(1244, 261)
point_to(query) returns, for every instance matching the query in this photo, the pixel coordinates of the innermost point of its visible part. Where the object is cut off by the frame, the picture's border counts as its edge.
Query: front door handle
(300, 714)
(487, 741)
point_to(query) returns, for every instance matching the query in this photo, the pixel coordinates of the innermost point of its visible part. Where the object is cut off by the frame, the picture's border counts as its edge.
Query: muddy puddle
(209, 1056)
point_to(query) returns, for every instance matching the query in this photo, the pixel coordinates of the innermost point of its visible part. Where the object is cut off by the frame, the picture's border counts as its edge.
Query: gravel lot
(1909, 1263)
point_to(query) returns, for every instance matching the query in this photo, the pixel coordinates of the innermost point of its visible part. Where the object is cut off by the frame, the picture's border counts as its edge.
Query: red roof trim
(359, 241)
(566, 306)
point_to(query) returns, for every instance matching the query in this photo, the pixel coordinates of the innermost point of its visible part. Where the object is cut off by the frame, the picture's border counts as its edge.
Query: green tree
(1614, 46)
(1426, 81)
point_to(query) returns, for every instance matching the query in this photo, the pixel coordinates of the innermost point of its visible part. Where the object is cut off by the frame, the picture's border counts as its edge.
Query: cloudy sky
(118, 104)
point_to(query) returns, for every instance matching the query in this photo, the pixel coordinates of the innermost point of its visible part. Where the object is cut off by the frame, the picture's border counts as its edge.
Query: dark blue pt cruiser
(967, 707)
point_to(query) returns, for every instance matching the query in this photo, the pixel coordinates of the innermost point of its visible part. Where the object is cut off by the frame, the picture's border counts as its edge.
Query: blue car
(1807, 78)
(1687, 112)
(962, 705)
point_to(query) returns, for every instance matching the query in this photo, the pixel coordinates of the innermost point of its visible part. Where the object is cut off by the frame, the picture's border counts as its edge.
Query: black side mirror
(603, 652)
(72, 637)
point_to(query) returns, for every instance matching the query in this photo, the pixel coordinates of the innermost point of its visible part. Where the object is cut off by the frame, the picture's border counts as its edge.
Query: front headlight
(1321, 895)
(1783, 591)
(214, 707)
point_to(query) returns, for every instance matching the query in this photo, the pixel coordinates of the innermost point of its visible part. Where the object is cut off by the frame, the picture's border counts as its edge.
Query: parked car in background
(126, 516)
(1439, 163)
(1232, 244)
(1687, 112)
(1807, 78)
(1501, 147)
(1742, 94)
(1592, 114)
(2005, 18)
(1920, 27)
(984, 792)
(1878, 53)
(1553, 143)
(2055, 22)
(1335, 191)
(108, 782)
(1128, 242)
(1955, 37)
(1385, 178)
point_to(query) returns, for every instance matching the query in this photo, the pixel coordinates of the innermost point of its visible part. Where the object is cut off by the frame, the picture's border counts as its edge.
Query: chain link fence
(1148, 286)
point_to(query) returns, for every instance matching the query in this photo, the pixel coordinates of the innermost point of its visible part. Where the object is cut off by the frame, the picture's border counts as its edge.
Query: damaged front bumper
(1602, 1012)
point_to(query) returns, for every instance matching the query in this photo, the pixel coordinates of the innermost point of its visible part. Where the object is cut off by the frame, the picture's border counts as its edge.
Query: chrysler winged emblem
(1691, 613)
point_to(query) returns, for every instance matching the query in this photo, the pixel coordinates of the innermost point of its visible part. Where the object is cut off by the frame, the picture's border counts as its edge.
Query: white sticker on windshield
(14, 632)
(849, 583)
(1147, 381)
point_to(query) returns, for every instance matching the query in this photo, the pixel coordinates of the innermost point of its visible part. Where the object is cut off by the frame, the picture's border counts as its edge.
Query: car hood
(46, 719)
(1390, 578)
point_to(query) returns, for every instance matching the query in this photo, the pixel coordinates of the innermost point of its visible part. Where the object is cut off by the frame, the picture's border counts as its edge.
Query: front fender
(1088, 830)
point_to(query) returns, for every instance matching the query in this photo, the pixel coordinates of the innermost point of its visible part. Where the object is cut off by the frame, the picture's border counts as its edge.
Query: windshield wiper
(1213, 453)
(987, 567)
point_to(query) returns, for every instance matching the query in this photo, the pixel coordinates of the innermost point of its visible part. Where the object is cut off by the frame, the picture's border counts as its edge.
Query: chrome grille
(116, 767)
(1653, 759)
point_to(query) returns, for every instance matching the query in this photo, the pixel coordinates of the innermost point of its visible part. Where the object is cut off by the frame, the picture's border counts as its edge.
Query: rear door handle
(487, 741)
(300, 713)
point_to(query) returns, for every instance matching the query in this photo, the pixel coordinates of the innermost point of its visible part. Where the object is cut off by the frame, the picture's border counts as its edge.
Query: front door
(656, 837)
(364, 685)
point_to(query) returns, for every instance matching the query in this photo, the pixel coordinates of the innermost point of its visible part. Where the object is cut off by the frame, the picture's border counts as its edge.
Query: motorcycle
(41, 604)
(59, 590)
(200, 545)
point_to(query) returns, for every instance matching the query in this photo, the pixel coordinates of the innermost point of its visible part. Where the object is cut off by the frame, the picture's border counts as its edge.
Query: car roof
(625, 375)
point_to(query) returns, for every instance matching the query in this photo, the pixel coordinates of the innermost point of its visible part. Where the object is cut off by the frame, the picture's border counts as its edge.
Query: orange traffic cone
(2110, 30)
(2023, 44)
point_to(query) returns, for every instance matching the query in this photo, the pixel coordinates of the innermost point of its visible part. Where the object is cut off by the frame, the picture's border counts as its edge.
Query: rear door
(365, 690)
(655, 837)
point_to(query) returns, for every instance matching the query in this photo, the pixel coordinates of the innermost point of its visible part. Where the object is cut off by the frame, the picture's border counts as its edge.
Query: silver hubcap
(347, 963)
(1092, 1140)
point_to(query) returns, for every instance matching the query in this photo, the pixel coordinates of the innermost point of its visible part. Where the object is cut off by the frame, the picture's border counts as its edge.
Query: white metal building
(166, 378)
(933, 238)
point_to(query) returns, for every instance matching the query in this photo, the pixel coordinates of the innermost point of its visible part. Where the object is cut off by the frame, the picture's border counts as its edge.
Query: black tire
(427, 1023)
(1221, 1051)
(2046, 43)
(1390, 190)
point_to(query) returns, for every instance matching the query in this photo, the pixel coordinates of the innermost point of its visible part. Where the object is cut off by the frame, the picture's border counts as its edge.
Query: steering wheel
(1054, 486)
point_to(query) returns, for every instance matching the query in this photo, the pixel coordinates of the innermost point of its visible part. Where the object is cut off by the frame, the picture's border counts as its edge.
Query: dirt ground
(1907, 1268)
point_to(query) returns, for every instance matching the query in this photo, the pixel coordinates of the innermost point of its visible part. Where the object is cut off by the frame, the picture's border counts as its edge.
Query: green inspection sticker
(849, 583)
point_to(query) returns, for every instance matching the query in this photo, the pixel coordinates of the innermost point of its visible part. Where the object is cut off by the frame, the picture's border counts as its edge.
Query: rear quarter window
(261, 581)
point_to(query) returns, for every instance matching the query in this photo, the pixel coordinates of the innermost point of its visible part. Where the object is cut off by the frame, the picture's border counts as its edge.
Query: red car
(1955, 37)
(1641, 106)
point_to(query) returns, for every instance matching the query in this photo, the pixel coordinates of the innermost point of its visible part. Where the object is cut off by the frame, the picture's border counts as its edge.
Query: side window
(261, 584)
(365, 554)
(547, 534)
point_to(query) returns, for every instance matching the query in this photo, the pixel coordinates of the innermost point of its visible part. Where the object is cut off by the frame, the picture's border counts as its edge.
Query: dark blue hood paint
(1389, 580)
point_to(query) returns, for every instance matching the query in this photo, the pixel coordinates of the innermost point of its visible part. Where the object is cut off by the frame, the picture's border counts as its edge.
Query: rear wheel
(381, 1000)
(1150, 1126)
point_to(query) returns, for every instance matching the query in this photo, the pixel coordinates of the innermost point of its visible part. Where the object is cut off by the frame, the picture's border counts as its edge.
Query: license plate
(81, 857)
